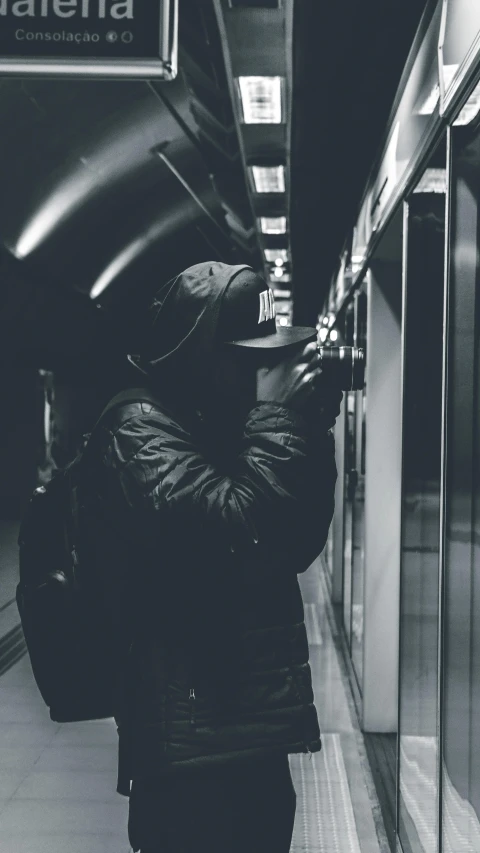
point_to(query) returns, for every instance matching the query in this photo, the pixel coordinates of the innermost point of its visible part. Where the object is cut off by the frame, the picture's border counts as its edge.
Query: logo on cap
(267, 306)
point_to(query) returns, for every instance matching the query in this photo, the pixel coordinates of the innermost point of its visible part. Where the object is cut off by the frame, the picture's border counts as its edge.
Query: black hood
(180, 334)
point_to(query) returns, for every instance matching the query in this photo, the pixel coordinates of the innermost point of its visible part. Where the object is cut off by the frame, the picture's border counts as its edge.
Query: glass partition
(358, 525)
(350, 483)
(461, 653)
(354, 491)
(417, 816)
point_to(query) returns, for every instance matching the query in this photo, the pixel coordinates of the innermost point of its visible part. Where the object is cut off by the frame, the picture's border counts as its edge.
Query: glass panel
(349, 488)
(461, 700)
(358, 533)
(421, 506)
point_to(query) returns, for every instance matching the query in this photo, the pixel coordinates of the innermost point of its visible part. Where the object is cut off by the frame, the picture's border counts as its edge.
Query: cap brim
(285, 336)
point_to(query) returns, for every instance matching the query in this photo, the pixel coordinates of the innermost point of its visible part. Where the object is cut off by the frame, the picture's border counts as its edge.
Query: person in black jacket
(221, 490)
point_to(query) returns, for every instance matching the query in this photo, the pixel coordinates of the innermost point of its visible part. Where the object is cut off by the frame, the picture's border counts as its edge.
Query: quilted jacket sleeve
(278, 500)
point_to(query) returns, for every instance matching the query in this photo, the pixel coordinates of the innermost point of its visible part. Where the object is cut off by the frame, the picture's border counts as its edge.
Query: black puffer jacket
(219, 667)
(209, 539)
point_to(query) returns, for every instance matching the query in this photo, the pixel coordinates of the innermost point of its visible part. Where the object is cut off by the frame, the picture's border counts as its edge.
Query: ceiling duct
(203, 69)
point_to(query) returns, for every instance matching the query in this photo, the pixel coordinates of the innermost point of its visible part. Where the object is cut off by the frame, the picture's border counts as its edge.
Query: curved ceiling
(87, 203)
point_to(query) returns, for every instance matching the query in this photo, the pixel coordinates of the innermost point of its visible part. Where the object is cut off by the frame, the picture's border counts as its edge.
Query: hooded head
(210, 318)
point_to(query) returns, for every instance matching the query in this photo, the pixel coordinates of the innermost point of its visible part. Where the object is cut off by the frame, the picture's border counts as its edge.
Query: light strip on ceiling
(273, 224)
(272, 255)
(268, 179)
(261, 99)
(283, 306)
(285, 277)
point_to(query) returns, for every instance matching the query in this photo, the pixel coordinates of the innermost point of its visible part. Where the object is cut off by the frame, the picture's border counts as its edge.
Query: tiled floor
(57, 782)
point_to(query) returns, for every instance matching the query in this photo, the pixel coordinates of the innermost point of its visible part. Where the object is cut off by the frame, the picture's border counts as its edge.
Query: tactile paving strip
(325, 822)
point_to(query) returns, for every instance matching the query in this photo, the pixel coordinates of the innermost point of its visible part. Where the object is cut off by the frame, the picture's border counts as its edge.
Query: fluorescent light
(269, 179)
(273, 224)
(282, 307)
(471, 108)
(276, 256)
(285, 277)
(261, 99)
(432, 181)
(281, 294)
(333, 335)
(323, 334)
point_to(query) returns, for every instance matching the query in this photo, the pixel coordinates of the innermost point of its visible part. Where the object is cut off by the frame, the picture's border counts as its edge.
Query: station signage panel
(89, 38)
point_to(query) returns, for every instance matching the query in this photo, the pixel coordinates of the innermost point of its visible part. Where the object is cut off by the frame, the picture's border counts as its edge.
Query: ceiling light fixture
(283, 278)
(276, 256)
(268, 179)
(278, 272)
(261, 99)
(273, 224)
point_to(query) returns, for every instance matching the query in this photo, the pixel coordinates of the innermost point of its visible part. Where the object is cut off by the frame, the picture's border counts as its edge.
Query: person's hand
(298, 381)
(291, 381)
(326, 405)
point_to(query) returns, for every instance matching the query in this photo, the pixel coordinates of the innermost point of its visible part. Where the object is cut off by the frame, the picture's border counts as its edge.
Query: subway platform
(57, 782)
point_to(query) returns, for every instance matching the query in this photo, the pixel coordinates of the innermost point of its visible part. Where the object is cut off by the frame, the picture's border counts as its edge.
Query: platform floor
(57, 782)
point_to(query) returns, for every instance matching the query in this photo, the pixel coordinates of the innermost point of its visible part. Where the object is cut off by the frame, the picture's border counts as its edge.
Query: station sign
(129, 39)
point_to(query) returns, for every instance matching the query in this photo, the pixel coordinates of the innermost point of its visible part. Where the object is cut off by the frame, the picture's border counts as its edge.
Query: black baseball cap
(247, 316)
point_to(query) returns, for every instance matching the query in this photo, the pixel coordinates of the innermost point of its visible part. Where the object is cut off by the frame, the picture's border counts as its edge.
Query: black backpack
(65, 617)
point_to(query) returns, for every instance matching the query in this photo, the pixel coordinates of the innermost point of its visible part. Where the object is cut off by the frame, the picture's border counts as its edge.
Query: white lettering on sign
(267, 306)
(68, 8)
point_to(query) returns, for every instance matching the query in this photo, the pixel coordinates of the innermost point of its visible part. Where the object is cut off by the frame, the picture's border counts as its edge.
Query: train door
(423, 331)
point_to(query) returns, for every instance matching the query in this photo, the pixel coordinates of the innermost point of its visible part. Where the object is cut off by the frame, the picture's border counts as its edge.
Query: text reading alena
(68, 8)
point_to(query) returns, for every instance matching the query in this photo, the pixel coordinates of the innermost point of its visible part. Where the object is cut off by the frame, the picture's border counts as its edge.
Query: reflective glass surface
(358, 527)
(461, 657)
(421, 508)
(349, 488)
